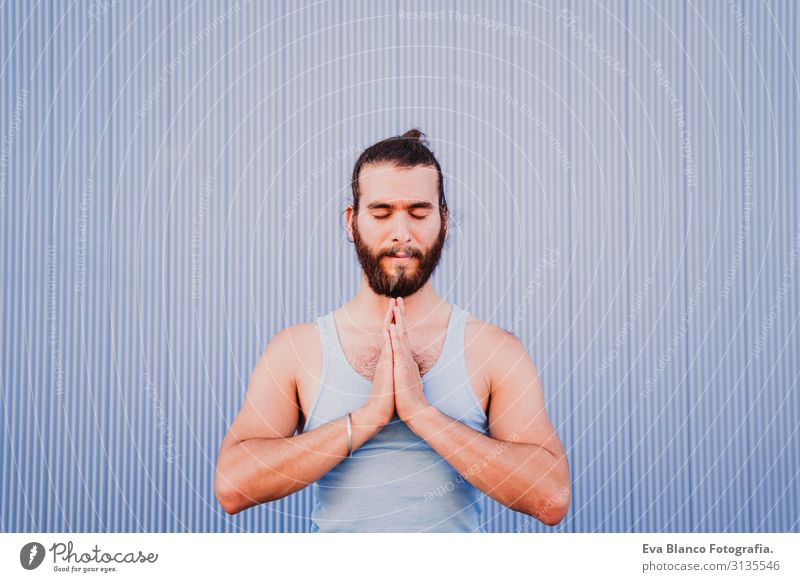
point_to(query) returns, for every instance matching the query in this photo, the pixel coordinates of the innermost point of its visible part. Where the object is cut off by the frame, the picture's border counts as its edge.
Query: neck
(367, 308)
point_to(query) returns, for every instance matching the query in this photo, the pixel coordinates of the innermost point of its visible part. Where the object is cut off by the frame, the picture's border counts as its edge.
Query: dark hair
(405, 151)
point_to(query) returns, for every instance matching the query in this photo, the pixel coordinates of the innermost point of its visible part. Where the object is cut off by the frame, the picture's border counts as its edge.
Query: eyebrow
(387, 206)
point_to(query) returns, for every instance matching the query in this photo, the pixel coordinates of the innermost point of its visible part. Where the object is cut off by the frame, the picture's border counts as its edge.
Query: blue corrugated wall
(623, 179)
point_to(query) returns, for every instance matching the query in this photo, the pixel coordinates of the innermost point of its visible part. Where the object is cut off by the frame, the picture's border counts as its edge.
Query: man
(397, 406)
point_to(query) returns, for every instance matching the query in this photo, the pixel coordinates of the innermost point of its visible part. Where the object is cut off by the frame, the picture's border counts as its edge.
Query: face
(398, 215)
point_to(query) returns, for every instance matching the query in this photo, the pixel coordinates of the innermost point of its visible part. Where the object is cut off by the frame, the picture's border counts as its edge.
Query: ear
(349, 216)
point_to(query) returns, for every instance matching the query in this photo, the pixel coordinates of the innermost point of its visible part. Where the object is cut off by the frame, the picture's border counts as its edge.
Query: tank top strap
(326, 329)
(454, 341)
(324, 325)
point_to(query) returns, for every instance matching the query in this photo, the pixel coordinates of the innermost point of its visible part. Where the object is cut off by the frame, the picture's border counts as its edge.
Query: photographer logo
(31, 555)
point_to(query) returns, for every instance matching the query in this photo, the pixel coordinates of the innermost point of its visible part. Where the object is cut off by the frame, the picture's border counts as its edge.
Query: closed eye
(384, 217)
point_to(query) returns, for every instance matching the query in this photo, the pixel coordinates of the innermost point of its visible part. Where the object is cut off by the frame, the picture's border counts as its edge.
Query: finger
(402, 328)
(400, 334)
(387, 318)
(395, 314)
(387, 357)
(387, 343)
(399, 351)
(400, 319)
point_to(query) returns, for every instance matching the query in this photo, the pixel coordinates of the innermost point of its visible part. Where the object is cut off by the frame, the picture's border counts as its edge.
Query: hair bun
(414, 134)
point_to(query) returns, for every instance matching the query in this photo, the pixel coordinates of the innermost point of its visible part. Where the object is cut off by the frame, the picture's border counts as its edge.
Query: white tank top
(396, 482)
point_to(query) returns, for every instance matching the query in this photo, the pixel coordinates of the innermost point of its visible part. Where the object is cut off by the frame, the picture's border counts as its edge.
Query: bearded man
(398, 407)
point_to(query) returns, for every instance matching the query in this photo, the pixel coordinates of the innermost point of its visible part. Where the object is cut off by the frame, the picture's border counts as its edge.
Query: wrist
(377, 414)
(366, 423)
(410, 408)
(419, 415)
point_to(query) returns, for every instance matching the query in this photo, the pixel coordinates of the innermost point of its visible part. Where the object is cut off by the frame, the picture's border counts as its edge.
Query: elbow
(552, 509)
(237, 487)
(554, 515)
(229, 498)
(233, 498)
(228, 494)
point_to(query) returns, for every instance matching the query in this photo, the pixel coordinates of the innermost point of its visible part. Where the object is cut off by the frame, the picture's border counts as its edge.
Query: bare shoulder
(283, 354)
(490, 348)
(299, 334)
(489, 336)
(298, 351)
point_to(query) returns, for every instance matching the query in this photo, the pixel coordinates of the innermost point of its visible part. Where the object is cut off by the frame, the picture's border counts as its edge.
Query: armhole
(470, 388)
(323, 374)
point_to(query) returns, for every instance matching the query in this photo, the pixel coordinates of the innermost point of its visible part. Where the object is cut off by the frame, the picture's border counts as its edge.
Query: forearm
(259, 470)
(525, 477)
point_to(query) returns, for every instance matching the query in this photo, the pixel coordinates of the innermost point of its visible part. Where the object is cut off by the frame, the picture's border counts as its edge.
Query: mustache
(410, 252)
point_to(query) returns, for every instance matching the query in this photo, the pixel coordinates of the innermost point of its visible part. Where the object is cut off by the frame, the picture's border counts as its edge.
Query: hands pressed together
(397, 385)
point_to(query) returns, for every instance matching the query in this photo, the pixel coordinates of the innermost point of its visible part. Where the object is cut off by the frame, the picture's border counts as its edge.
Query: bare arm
(261, 469)
(523, 465)
(259, 459)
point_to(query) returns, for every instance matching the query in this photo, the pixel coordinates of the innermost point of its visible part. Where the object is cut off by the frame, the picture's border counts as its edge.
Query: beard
(398, 280)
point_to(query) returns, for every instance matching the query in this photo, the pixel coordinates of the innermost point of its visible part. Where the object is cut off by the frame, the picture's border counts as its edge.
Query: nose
(400, 228)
